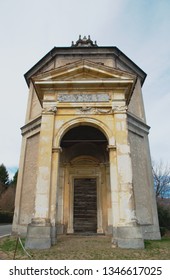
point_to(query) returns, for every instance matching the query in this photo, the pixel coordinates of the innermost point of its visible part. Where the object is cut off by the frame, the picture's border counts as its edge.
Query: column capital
(49, 110)
(111, 148)
(56, 149)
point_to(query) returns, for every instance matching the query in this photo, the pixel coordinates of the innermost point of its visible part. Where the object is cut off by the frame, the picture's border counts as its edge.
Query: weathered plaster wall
(141, 181)
(146, 209)
(29, 180)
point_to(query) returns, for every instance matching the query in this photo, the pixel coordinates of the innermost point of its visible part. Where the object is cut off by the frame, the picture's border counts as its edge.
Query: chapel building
(85, 165)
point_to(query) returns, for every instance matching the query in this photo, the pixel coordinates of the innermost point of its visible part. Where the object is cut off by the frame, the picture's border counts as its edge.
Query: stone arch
(84, 121)
(89, 160)
(82, 162)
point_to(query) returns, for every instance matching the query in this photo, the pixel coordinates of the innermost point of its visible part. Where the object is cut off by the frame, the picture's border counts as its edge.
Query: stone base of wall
(20, 230)
(151, 232)
(128, 237)
(38, 237)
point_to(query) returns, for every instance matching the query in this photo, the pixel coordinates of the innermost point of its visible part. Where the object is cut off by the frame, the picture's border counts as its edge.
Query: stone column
(39, 231)
(127, 233)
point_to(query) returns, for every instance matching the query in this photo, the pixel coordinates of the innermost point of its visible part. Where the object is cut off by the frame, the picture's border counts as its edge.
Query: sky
(30, 29)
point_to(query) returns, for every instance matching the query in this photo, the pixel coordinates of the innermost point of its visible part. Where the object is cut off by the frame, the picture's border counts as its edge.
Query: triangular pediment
(83, 69)
(82, 74)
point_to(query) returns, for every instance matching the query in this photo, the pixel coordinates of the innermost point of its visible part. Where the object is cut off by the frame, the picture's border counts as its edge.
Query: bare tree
(161, 175)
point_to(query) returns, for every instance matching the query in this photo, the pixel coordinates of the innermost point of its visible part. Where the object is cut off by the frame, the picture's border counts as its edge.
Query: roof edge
(111, 50)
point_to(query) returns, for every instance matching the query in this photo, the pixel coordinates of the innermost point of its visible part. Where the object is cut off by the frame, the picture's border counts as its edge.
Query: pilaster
(39, 231)
(54, 191)
(126, 231)
(18, 195)
(114, 184)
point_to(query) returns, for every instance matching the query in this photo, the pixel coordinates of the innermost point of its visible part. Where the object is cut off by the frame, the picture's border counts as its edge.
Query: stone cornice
(136, 125)
(31, 126)
(84, 82)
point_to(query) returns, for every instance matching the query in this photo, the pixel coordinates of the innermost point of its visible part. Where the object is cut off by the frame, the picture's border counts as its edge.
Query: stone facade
(85, 126)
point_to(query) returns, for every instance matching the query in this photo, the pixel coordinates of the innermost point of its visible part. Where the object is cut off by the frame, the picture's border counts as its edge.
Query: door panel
(85, 205)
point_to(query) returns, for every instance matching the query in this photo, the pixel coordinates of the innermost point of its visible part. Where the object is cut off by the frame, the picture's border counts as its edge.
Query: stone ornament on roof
(84, 42)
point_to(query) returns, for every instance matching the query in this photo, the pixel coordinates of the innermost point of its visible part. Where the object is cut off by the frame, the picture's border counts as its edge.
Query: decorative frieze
(86, 110)
(76, 98)
(93, 110)
(104, 111)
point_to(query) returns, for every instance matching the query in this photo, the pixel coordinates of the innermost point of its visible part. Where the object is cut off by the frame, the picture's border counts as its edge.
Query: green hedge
(6, 217)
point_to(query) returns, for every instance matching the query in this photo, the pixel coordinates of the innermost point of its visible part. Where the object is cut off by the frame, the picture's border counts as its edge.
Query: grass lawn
(87, 248)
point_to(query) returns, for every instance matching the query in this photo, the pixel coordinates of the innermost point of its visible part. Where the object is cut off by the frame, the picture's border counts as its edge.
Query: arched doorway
(83, 180)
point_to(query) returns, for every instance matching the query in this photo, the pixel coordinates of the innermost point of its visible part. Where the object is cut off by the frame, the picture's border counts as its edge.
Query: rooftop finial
(85, 42)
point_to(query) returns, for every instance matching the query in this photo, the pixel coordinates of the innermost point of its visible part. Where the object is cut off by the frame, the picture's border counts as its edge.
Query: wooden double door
(85, 205)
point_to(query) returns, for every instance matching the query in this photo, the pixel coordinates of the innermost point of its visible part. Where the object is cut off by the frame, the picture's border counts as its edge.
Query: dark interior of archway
(83, 134)
(84, 140)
